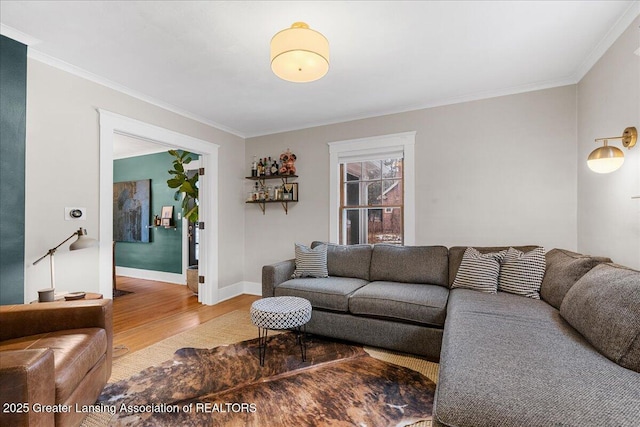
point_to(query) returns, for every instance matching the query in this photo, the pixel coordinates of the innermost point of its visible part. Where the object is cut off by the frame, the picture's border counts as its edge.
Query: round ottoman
(280, 313)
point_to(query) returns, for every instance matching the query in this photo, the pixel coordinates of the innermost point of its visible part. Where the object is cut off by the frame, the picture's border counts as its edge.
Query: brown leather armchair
(55, 358)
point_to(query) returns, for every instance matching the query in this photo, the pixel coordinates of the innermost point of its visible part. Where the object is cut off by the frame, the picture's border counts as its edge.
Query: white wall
(608, 102)
(62, 169)
(491, 172)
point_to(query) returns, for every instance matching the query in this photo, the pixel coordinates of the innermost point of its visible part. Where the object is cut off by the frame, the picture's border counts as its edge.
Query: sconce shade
(299, 54)
(605, 159)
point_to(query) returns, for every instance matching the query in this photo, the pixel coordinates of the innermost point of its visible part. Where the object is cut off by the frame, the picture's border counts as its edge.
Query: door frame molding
(112, 123)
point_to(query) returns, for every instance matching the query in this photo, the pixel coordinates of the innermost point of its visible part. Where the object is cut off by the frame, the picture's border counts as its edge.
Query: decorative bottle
(260, 168)
(267, 167)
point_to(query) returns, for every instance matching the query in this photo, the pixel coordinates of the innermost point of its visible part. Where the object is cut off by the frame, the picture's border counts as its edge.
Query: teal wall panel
(164, 251)
(13, 113)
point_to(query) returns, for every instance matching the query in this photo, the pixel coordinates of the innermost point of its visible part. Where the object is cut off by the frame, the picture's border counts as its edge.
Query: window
(372, 187)
(371, 202)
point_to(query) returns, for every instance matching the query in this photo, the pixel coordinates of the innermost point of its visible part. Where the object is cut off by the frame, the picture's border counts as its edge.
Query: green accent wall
(164, 251)
(13, 113)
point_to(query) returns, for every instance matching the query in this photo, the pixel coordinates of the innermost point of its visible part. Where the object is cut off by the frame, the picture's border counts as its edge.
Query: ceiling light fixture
(299, 54)
(607, 159)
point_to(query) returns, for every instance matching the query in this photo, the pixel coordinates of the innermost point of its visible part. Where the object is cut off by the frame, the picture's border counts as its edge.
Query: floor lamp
(82, 242)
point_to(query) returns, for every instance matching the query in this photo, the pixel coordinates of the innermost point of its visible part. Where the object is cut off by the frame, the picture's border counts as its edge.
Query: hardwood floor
(157, 310)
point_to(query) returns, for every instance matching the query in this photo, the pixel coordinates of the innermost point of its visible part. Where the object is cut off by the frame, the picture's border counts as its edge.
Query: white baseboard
(239, 288)
(253, 288)
(161, 276)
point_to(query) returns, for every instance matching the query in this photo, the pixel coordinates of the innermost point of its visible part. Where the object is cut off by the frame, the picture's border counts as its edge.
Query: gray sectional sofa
(571, 358)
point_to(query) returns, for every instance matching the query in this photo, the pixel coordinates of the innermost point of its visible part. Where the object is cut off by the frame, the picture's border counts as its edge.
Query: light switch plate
(75, 214)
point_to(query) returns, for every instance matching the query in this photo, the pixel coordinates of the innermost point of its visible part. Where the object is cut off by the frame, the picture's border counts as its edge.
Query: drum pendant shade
(299, 54)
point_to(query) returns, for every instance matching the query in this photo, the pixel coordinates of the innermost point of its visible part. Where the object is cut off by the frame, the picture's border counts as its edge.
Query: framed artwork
(291, 191)
(131, 211)
(167, 216)
(167, 212)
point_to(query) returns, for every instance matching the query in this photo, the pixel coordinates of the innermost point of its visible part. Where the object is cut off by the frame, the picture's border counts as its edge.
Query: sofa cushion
(348, 260)
(457, 252)
(564, 268)
(410, 264)
(479, 271)
(513, 361)
(311, 262)
(411, 302)
(330, 293)
(604, 306)
(521, 273)
(76, 352)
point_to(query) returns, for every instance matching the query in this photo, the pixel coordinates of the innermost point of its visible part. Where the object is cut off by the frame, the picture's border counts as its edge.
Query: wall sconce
(607, 159)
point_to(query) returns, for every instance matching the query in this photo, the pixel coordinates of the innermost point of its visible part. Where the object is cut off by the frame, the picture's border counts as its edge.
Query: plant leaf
(174, 183)
(190, 216)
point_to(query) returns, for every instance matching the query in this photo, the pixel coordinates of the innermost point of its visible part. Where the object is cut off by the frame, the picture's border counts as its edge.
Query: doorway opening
(157, 251)
(112, 124)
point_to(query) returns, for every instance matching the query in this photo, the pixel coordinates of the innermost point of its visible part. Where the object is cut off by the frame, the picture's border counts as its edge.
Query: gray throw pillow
(604, 306)
(479, 271)
(564, 269)
(310, 262)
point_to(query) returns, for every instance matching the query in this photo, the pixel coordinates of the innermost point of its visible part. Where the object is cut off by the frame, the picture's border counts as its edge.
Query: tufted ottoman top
(280, 312)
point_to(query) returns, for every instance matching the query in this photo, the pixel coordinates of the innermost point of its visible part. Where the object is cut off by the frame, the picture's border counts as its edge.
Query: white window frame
(339, 151)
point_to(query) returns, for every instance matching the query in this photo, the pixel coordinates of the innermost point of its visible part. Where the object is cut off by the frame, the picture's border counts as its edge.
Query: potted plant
(186, 187)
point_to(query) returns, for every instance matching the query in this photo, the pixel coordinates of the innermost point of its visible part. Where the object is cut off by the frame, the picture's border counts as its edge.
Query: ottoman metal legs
(300, 340)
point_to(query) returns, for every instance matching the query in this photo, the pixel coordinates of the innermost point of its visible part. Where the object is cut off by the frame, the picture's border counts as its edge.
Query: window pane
(371, 170)
(352, 194)
(385, 226)
(352, 233)
(392, 191)
(353, 171)
(374, 193)
(392, 168)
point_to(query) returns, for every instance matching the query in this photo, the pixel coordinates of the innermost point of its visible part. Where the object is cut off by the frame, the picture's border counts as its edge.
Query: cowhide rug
(338, 385)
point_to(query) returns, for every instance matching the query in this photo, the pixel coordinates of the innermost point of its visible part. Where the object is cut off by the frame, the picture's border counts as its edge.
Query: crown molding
(478, 96)
(608, 40)
(87, 75)
(18, 36)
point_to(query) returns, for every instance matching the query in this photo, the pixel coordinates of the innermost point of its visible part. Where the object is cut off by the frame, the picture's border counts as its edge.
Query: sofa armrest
(26, 379)
(274, 274)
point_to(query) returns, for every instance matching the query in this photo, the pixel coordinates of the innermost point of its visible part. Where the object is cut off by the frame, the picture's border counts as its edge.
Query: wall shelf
(162, 226)
(263, 203)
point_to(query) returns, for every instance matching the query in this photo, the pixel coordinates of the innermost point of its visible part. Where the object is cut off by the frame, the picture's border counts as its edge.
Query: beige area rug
(228, 329)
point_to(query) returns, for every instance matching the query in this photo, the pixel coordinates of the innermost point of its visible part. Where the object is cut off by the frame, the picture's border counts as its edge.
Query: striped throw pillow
(479, 271)
(521, 273)
(311, 262)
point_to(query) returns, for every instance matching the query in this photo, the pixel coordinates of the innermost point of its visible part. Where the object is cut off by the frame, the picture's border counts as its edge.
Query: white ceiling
(210, 60)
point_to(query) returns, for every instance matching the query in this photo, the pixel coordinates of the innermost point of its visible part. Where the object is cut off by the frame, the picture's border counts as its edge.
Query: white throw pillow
(311, 262)
(479, 271)
(521, 273)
